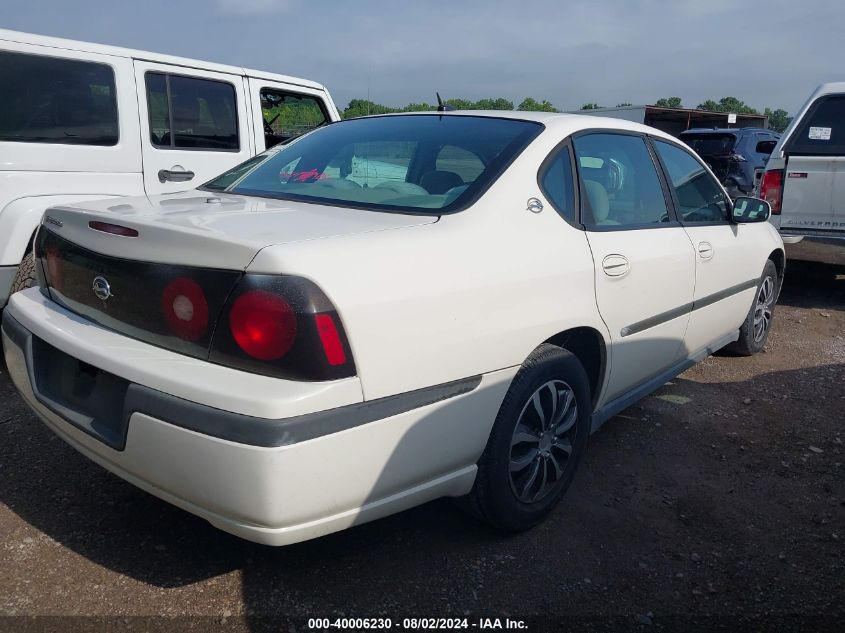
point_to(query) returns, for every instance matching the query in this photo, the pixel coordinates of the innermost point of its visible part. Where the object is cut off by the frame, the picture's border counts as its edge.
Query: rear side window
(192, 113)
(699, 196)
(822, 130)
(558, 186)
(54, 100)
(288, 115)
(620, 185)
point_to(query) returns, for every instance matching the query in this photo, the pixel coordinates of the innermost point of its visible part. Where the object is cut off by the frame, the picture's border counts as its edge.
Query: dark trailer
(677, 120)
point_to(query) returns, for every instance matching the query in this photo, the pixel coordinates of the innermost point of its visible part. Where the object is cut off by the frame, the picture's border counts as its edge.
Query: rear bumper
(815, 248)
(7, 277)
(310, 475)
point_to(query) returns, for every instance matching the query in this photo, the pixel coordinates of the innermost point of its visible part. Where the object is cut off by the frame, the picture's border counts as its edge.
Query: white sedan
(386, 311)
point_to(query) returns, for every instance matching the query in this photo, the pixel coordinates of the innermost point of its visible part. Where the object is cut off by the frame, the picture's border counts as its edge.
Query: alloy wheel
(763, 308)
(542, 441)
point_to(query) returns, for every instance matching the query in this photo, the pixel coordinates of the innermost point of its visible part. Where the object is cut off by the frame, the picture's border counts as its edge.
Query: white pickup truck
(81, 121)
(804, 181)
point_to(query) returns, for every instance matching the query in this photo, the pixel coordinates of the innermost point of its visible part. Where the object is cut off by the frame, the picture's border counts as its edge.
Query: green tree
(623, 105)
(669, 102)
(529, 104)
(590, 106)
(778, 119)
(363, 107)
(727, 104)
(461, 104)
(493, 104)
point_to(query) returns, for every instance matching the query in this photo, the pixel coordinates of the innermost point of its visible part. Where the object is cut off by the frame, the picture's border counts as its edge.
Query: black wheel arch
(589, 347)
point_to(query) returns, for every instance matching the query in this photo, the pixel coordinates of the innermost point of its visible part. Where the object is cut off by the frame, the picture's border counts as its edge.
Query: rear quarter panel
(475, 292)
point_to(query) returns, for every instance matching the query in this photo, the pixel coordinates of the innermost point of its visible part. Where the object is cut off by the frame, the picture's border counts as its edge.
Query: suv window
(822, 130)
(699, 196)
(558, 186)
(288, 115)
(710, 143)
(620, 182)
(192, 113)
(53, 100)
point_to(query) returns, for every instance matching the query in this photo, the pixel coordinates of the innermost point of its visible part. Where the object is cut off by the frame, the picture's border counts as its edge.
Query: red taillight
(771, 189)
(263, 324)
(185, 308)
(114, 229)
(329, 337)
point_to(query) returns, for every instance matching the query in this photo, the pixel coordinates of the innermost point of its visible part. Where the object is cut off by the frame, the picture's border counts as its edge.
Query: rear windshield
(822, 130)
(411, 163)
(710, 144)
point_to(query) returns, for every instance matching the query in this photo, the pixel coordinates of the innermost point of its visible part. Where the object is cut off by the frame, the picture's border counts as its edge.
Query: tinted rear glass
(822, 130)
(710, 144)
(411, 163)
(53, 100)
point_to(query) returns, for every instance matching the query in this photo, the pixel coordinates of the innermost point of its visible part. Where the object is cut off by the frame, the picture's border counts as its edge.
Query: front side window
(390, 163)
(699, 196)
(620, 184)
(191, 113)
(55, 100)
(288, 115)
(822, 130)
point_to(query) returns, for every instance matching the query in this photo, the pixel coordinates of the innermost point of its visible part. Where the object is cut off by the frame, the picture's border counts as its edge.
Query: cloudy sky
(769, 53)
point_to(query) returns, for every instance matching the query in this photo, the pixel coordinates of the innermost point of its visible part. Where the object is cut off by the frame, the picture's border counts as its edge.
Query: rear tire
(26, 274)
(754, 331)
(538, 439)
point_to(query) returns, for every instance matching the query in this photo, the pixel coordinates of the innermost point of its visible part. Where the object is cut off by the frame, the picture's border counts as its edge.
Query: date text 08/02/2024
(413, 624)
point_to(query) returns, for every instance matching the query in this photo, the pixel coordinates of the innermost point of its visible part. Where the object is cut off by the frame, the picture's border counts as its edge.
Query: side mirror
(766, 147)
(748, 210)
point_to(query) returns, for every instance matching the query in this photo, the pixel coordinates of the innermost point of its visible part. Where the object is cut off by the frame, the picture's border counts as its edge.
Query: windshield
(710, 144)
(410, 163)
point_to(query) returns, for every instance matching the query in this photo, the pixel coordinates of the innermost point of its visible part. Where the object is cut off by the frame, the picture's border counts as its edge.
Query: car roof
(566, 123)
(116, 51)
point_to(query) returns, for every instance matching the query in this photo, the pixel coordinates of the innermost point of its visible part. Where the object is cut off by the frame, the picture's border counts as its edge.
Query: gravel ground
(718, 503)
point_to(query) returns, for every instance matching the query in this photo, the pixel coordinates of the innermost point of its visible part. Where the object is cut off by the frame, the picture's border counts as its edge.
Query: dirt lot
(716, 504)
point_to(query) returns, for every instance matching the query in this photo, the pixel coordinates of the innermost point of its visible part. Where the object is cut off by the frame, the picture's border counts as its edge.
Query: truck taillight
(282, 326)
(771, 189)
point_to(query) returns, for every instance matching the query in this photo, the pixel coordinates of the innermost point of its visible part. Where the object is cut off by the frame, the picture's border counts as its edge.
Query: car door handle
(615, 265)
(175, 175)
(705, 250)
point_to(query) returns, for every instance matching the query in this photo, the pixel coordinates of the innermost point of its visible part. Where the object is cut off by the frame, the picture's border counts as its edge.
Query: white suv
(804, 179)
(82, 121)
(388, 310)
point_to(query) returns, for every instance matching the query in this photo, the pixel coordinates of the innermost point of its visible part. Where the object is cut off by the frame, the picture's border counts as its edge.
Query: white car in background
(804, 179)
(82, 121)
(386, 311)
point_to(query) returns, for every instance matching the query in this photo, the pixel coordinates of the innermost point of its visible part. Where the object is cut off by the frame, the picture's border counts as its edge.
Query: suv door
(814, 179)
(726, 269)
(282, 112)
(194, 125)
(644, 262)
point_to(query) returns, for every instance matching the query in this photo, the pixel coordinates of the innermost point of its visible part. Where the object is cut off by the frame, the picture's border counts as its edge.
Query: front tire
(754, 331)
(25, 277)
(537, 441)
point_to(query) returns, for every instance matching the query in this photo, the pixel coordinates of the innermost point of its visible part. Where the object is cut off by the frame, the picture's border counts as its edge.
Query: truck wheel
(26, 274)
(537, 441)
(754, 331)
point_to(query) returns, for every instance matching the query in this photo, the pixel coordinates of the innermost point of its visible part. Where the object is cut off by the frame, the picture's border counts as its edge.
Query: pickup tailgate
(813, 194)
